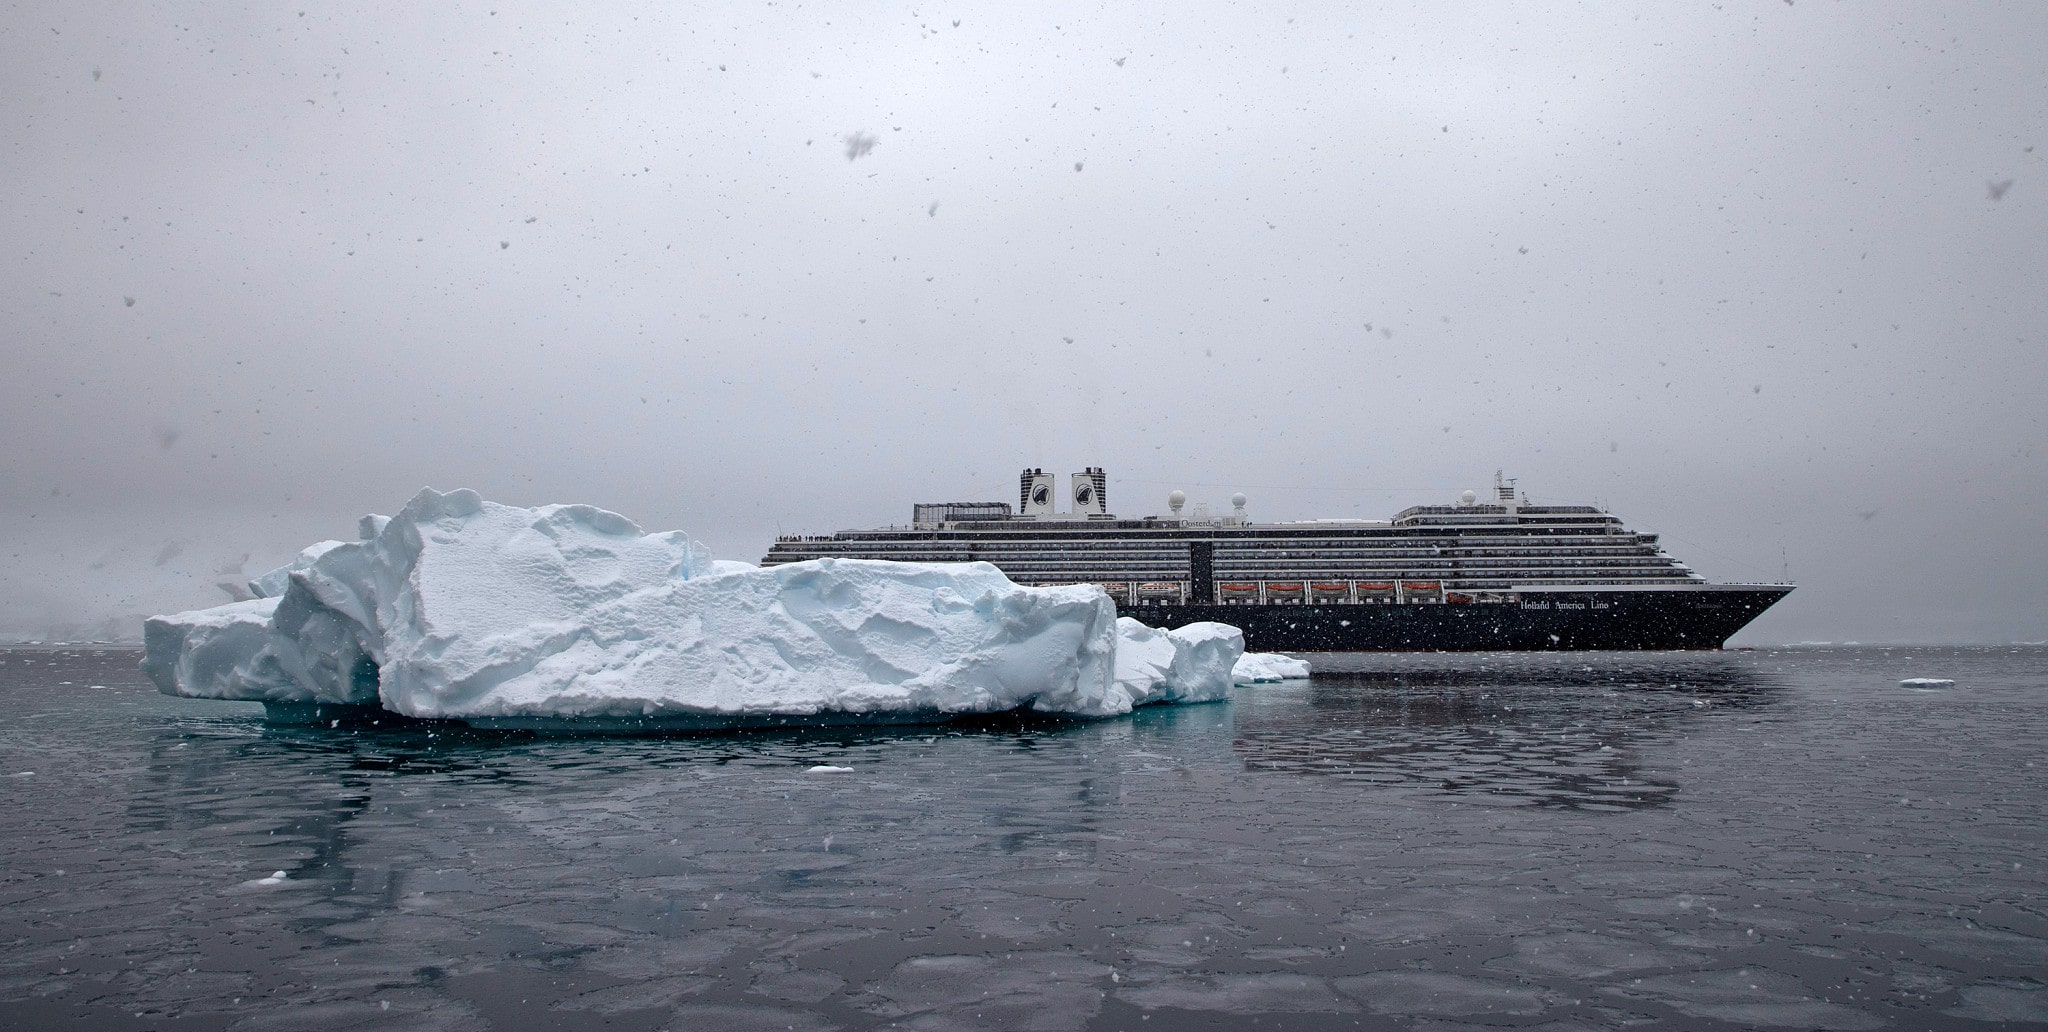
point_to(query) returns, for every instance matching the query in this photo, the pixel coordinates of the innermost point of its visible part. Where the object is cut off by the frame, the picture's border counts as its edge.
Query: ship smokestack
(1091, 493)
(1034, 493)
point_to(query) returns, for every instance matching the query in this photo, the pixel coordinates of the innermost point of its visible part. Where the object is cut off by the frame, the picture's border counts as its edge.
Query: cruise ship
(1497, 573)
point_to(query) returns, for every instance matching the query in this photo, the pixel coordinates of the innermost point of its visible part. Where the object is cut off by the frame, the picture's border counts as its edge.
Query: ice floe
(570, 616)
(272, 880)
(1266, 667)
(1928, 682)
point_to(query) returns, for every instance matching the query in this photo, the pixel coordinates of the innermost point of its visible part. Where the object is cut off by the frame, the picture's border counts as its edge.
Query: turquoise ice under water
(1788, 839)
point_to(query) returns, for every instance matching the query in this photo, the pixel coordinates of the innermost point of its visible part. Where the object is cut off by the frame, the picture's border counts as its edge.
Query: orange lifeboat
(1363, 586)
(1290, 587)
(1329, 589)
(1420, 585)
(1238, 589)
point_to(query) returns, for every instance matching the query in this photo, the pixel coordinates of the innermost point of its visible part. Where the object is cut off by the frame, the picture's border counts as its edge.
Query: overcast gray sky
(1766, 277)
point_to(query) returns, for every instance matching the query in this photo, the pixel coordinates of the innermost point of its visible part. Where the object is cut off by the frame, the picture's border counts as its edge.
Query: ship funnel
(1091, 492)
(1034, 493)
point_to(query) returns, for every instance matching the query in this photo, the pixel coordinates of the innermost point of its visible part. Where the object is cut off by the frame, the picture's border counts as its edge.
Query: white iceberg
(1929, 682)
(1187, 664)
(1267, 667)
(568, 615)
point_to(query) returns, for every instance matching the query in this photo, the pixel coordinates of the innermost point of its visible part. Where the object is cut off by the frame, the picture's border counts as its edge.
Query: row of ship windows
(1092, 573)
(1538, 556)
(1472, 563)
(1519, 575)
(1294, 541)
(1088, 568)
(1310, 568)
(1456, 583)
(928, 553)
(1304, 568)
(1240, 541)
(1175, 592)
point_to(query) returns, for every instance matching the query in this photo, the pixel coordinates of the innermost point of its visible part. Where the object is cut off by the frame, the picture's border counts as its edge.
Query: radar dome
(1175, 500)
(1237, 501)
(1467, 498)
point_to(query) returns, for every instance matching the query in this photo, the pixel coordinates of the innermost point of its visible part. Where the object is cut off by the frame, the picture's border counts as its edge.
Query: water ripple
(1704, 840)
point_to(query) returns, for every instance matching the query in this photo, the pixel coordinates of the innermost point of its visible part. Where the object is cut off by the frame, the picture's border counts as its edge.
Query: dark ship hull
(1594, 620)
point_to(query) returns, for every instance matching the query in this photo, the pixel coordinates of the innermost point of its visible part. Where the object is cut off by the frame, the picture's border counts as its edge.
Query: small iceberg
(1267, 667)
(1187, 664)
(1928, 682)
(271, 881)
(569, 617)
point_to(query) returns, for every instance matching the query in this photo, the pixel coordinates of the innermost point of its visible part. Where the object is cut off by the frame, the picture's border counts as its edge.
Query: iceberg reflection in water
(1703, 840)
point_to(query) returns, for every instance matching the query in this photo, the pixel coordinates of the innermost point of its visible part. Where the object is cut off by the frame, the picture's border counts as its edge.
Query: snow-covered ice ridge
(569, 615)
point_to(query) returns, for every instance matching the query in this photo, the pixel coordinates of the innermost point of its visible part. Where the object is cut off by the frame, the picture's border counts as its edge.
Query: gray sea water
(1782, 839)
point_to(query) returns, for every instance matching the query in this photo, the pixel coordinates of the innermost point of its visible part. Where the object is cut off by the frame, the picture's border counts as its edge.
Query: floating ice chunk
(1186, 664)
(1267, 667)
(1928, 682)
(826, 768)
(1204, 655)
